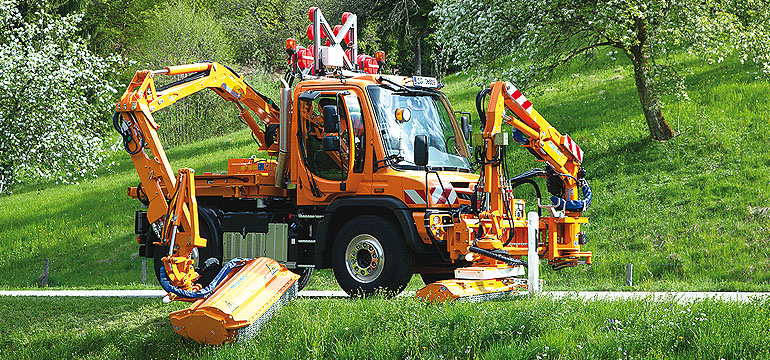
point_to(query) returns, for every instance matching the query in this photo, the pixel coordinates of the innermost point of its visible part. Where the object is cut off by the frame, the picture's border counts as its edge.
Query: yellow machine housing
(240, 306)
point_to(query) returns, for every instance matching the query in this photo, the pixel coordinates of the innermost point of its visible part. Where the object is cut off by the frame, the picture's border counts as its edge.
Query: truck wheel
(209, 258)
(369, 254)
(304, 277)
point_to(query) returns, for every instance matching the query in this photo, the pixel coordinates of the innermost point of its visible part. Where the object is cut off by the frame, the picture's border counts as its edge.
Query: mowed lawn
(401, 328)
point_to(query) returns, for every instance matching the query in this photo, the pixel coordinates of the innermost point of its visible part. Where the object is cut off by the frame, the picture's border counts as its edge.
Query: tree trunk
(659, 127)
(417, 56)
(6, 176)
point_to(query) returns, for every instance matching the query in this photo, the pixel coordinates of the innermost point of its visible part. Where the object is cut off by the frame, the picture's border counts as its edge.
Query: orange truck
(374, 176)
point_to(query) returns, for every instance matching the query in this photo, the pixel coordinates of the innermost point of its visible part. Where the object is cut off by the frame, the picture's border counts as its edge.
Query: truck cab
(371, 183)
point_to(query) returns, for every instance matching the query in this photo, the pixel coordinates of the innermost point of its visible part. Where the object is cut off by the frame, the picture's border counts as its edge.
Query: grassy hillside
(691, 213)
(400, 328)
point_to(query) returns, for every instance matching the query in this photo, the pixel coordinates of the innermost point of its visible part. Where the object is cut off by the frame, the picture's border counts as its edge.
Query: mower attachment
(240, 305)
(475, 284)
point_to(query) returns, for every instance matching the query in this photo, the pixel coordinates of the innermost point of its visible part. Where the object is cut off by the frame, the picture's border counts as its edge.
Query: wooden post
(629, 274)
(42, 281)
(144, 270)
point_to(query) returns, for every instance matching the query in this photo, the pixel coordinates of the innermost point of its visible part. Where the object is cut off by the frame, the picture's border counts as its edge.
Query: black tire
(209, 257)
(370, 255)
(304, 277)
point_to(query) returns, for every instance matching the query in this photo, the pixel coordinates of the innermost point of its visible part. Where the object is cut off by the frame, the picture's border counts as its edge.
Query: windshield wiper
(389, 160)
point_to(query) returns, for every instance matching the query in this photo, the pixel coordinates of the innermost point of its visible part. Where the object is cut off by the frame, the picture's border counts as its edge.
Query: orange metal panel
(246, 298)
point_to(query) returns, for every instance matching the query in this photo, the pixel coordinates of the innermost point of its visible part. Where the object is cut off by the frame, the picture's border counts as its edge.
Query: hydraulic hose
(575, 205)
(165, 282)
(126, 134)
(479, 105)
(489, 254)
(515, 184)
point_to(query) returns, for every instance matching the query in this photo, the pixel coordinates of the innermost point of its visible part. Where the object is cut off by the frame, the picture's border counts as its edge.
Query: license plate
(426, 82)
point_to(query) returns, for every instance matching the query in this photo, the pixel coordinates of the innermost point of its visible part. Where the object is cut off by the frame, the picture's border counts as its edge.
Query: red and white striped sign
(447, 196)
(414, 197)
(519, 97)
(573, 148)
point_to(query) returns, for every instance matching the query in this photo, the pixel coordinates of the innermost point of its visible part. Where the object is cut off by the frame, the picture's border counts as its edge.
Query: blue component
(519, 136)
(575, 205)
(231, 265)
(261, 166)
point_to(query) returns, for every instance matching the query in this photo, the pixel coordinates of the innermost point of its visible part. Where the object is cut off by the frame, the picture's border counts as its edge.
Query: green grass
(86, 230)
(690, 214)
(43, 328)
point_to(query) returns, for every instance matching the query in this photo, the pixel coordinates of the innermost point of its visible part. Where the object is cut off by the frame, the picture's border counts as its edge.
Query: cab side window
(352, 110)
(329, 165)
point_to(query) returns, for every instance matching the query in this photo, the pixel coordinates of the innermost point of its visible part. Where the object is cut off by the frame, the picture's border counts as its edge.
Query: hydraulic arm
(252, 288)
(171, 199)
(492, 233)
(564, 175)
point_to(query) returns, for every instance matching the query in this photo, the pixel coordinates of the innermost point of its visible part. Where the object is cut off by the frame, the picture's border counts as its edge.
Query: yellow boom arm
(169, 196)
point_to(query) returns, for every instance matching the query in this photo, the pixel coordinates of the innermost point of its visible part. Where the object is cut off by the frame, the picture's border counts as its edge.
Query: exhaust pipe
(283, 135)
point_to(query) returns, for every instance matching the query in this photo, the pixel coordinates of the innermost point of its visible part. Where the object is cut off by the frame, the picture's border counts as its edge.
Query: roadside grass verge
(378, 328)
(690, 214)
(87, 230)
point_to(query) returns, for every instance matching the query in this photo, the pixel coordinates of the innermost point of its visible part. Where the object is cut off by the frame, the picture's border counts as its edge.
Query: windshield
(431, 116)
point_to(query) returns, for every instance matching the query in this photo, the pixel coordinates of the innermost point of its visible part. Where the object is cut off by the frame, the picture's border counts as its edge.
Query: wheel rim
(364, 258)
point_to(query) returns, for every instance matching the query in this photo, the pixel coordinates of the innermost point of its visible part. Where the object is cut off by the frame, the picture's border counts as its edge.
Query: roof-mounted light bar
(348, 32)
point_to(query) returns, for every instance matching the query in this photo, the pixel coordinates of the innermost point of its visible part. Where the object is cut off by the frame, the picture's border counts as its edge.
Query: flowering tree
(543, 35)
(53, 99)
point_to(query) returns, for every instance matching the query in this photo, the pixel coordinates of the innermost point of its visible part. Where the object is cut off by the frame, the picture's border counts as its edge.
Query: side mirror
(331, 143)
(421, 150)
(465, 126)
(331, 119)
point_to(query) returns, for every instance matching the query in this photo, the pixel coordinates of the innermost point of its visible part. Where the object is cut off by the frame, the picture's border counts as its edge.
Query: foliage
(259, 28)
(552, 33)
(112, 26)
(53, 98)
(401, 28)
(183, 33)
(474, 35)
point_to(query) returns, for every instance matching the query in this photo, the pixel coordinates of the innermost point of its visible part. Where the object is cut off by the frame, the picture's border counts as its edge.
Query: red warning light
(291, 46)
(380, 56)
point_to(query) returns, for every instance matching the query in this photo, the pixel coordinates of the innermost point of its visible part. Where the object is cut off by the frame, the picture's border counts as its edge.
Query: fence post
(629, 274)
(144, 270)
(42, 281)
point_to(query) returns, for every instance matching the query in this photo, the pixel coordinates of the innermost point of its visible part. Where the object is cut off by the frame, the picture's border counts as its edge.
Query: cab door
(330, 173)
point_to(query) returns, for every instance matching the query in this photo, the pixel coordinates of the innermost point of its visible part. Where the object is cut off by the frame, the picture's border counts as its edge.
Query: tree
(54, 98)
(403, 28)
(551, 33)
(187, 32)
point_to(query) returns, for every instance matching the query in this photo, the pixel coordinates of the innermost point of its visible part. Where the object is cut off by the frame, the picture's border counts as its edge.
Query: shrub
(55, 96)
